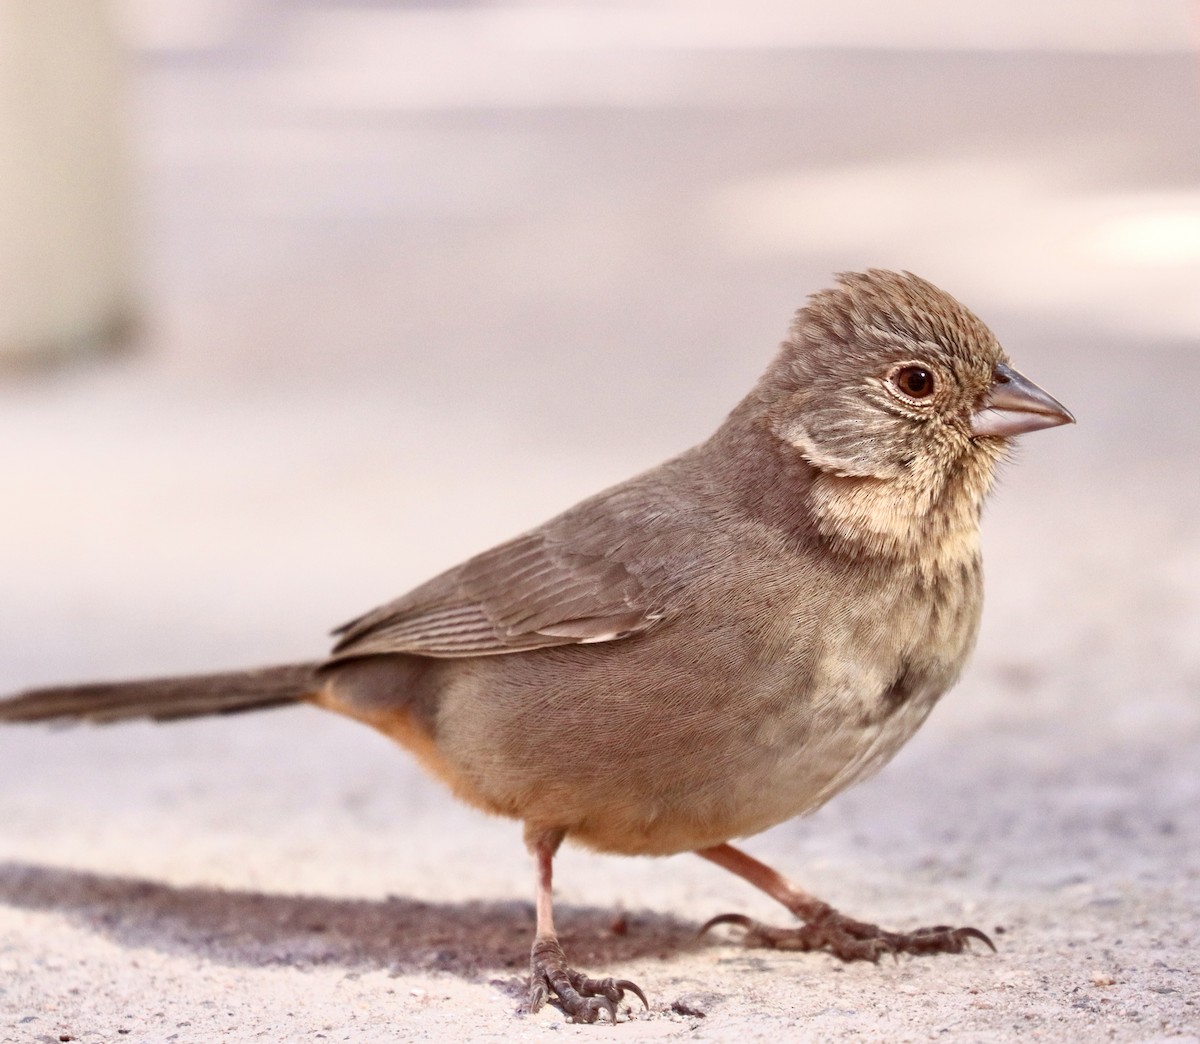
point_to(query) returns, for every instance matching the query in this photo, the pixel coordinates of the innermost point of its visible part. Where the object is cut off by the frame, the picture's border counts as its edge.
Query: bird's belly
(714, 749)
(796, 774)
(761, 771)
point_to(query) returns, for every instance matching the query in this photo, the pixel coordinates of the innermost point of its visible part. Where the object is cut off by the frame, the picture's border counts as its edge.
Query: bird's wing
(532, 592)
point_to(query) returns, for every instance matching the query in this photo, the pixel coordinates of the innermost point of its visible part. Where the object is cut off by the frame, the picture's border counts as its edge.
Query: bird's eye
(915, 382)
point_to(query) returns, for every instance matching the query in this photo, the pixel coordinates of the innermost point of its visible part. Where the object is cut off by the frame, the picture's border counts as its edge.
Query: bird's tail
(166, 699)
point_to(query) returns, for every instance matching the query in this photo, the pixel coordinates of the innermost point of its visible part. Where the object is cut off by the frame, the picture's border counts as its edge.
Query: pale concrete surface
(382, 337)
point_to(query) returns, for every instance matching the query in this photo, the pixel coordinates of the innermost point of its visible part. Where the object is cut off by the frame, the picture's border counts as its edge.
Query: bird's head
(886, 376)
(902, 400)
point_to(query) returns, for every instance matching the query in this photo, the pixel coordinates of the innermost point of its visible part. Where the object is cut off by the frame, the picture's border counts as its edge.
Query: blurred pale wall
(65, 275)
(66, 224)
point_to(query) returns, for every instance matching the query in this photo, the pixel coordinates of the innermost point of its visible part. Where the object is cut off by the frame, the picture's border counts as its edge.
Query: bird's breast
(857, 684)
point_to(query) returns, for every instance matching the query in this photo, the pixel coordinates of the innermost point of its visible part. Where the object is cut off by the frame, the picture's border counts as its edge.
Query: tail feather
(166, 699)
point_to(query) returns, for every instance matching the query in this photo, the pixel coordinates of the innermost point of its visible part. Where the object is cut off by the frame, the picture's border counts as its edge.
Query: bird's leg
(824, 928)
(551, 979)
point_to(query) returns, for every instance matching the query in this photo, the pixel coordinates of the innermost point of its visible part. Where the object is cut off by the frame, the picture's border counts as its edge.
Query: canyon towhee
(710, 648)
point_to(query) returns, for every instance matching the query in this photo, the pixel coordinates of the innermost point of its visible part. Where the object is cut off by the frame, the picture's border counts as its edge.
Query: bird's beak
(1014, 405)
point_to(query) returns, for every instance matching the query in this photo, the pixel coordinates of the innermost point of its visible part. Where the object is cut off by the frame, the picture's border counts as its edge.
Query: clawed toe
(852, 940)
(579, 997)
(741, 920)
(941, 939)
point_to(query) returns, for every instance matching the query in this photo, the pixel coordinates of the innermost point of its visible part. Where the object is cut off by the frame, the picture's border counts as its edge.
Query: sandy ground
(380, 337)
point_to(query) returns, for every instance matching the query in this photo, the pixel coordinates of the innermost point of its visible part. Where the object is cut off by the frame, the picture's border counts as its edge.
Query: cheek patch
(837, 451)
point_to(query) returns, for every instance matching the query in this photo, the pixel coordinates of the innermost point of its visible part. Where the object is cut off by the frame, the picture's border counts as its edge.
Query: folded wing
(532, 592)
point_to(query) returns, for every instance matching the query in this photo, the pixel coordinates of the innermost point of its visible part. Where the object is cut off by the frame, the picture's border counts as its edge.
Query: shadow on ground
(397, 934)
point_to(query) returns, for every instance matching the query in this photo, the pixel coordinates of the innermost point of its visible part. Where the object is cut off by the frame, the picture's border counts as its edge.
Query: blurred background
(301, 301)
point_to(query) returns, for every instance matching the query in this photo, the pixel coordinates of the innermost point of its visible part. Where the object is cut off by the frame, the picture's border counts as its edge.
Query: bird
(762, 621)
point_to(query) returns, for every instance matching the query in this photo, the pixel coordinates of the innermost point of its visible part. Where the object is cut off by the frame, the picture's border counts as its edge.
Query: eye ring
(913, 382)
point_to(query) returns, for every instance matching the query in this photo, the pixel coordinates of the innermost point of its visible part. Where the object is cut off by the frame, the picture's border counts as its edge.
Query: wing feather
(529, 593)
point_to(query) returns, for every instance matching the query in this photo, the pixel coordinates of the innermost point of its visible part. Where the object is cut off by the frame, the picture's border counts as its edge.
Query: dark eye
(914, 381)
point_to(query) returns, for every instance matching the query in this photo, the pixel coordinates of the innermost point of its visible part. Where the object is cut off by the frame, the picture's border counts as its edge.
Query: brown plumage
(763, 621)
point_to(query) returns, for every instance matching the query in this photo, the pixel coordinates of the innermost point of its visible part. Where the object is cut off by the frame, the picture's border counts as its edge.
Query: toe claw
(974, 933)
(608, 1005)
(538, 994)
(887, 945)
(741, 920)
(624, 985)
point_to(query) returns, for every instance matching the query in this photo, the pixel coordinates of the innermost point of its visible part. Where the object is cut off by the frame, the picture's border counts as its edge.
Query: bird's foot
(852, 940)
(579, 997)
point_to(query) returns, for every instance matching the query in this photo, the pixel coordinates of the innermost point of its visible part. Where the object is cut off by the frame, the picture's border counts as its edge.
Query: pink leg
(551, 978)
(824, 928)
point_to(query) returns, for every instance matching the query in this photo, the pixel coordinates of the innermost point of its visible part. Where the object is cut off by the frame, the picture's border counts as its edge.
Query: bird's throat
(929, 522)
